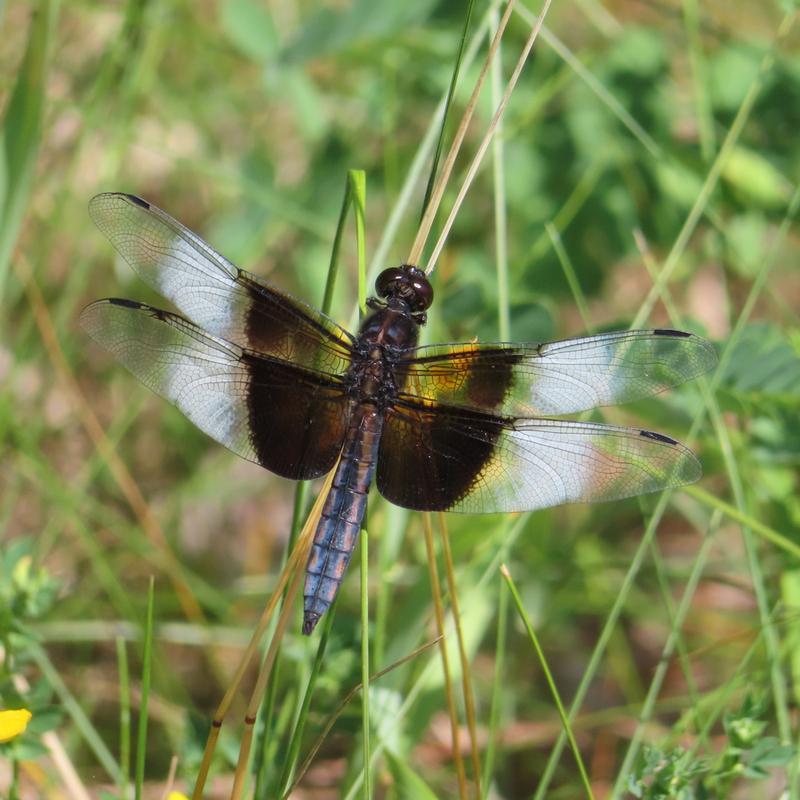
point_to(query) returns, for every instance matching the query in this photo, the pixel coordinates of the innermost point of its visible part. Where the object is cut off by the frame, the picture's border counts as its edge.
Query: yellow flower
(177, 796)
(13, 723)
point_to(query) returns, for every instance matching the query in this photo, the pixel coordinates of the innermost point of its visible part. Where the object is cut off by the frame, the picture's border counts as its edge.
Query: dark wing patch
(288, 419)
(439, 458)
(517, 380)
(431, 457)
(214, 293)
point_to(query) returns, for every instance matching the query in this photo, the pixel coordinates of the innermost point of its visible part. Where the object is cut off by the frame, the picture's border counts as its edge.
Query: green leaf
(248, 24)
(769, 752)
(639, 51)
(731, 72)
(45, 720)
(27, 748)
(756, 179)
(678, 182)
(746, 235)
(764, 363)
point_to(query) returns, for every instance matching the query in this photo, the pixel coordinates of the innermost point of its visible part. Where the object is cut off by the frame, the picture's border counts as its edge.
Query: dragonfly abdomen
(340, 521)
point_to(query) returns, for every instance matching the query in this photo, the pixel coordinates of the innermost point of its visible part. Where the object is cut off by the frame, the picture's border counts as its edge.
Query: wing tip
(687, 468)
(88, 316)
(709, 358)
(691, 469)
(99, 204)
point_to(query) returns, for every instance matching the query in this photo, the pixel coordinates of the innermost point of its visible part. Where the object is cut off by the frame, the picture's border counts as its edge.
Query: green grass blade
(365, 664)
(447, 103)
(147, 663)
(71, 706)
(660, 675)
(124, 715)
(733, 512)
(414, 172)
(436, 594)
(549, 678)
(357, 179)
(358, 187)
(569, 273)
(702, 102)
(499, 187)
(466, 673)
(21, 133)
(290, 763)
(358, 782)
(595, 85)
(497, 688)
(333, 267)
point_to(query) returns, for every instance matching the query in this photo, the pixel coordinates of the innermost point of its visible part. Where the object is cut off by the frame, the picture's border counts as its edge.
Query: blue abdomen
(340, 522)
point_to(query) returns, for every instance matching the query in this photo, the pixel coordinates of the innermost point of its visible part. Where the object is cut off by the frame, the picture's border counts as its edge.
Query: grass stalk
(605, 635)
(20, 132)
(506, 543)
(660, 673)
(478, 158)
(358, 188)
(575, 201)
(365, 663)
(661, 504)
(292, 567)
(702, 102)
(436, 593)
(569, 273)
(426, 146)
(257, 695)
(447, 105)
(314, 749)
(549, 678)
(466, 672)
(147, 663)
(73, 708)
(426, 223)
(296, 741)
(124, 715)
(497, 687)
(499, 196)
(295, 567)
(594, 84)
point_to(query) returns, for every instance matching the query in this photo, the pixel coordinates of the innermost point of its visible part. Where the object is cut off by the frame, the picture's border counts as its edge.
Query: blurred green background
(652, 136)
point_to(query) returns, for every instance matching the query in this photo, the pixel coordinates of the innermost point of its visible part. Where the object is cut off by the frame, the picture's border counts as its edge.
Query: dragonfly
(465, 427)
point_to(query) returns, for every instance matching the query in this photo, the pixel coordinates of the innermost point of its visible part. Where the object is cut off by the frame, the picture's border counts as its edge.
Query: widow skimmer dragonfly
(448, 427)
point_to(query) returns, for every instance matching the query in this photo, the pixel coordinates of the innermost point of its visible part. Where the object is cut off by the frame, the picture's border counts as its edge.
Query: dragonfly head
(407, 284)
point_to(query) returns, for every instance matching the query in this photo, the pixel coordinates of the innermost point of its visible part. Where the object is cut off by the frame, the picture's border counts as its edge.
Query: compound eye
(423, 294)
(386, 282)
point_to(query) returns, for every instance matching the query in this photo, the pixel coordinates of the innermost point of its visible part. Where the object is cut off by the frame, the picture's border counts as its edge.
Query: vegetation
(645, 174)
